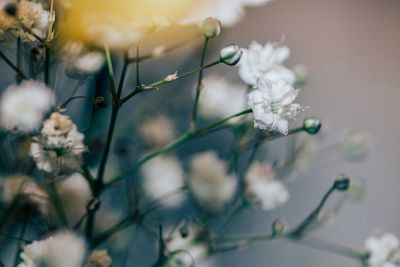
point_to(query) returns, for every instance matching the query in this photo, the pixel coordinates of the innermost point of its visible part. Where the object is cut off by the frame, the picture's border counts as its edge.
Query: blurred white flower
(25, 19)
(265, 62)
(60, 145)
(162, 176)
(220, 98)
(63, 249)
(356, 144)
(212, 187)
(23, 107)
(383, 249)
(99, 258)
(263, 188)
(272, 105)
(74, 193)
(157, 131)
(228, 12)
(26, 188)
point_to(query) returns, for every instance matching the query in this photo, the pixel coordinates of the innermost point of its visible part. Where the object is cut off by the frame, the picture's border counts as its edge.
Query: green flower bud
(312, 125)
(231, 55)
(211, 27)
(342, 182)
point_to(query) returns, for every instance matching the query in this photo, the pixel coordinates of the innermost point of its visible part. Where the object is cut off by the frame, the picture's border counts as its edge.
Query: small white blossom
(265, 62)
(157, 131)
(210, 183)
(22, 107)
(272, 105)
(220, 98)
(163, 176)
(263, 188)
(99, 258)
(383, 249)
(63, 249)
(60, 145)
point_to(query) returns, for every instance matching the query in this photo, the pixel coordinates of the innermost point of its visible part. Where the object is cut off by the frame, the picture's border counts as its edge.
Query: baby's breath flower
(231, 54)
(211, 27)
(27, 190)
(272, 105)
(99, 258)
(265, 62)
(383, 249)
(162, 176)
(64, 249)
(157, 131)
(22, 107)
(60, 145)
(263, 188)
(210, 183)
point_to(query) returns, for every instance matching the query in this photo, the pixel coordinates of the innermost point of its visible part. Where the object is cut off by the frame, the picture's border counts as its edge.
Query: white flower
(99, 258)
(163, 176)
(265, 62)
(383, 249)
(220, 98)
(26, 188)
(228, 12)
(263, 188)
(210, 183)
(64, 249)
(157, 131)
(272, 105)
(22, 107)
(60, 145)
(74, 193)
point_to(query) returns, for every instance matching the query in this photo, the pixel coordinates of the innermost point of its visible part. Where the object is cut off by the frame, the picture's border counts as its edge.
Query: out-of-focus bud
(211, 28)
(231, 55)
(93, 204)
(300, 74)
(278, 227)
(11, 9)
(312, 125)
(356, 144)
(100, 102)
(342, 182)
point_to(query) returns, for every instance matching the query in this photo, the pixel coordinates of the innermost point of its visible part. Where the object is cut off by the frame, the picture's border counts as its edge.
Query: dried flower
(210, 183)
(261, 187)
(265, 62)
(272, 105)
(63, 249)
(161, 177)
(23, 107)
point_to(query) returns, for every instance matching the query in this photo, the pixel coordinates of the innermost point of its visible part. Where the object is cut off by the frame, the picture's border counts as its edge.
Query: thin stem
(176, 143)
(21, 237)
(77, 97)
(47, 66)
(58, 205)
(79, 83)
(19, 60)
(199, 85)
(138, 83)
(12, 65)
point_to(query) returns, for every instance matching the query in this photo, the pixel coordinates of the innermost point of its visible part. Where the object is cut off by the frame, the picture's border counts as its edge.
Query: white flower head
(265, 62)
(383, 249)
(60, 145)
(63, 249)
(23, 107)
(157, 131)
(220, 98)
(163, 176)
(212, 187)
(263, 188)
(272, 105)
(99, 258)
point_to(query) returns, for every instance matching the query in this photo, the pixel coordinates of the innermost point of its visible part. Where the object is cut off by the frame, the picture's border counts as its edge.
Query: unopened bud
(211, 27)
(100, 102)
(278, 227)
(231, 55)
(342, 182)
(312, 125)
(11, 9)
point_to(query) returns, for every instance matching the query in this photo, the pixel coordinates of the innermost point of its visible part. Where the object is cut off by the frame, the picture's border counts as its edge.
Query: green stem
(176, 143)
(138, 83)
(199, 85)
(47, 66)
(13, 66)
(77, 97)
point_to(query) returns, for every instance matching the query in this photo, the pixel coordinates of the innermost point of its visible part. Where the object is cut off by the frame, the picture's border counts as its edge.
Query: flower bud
(312, 125)
(11, 9)
(231, 55)
(278, 227)
(211, 28)
(100, 102)
(342, 182)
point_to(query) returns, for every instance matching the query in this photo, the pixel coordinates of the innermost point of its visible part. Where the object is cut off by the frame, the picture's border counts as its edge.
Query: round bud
(278, 227)
(231, 55)
(11, 9)
(342, 182)
(211, 28)
(312, 125)
(100, 102)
